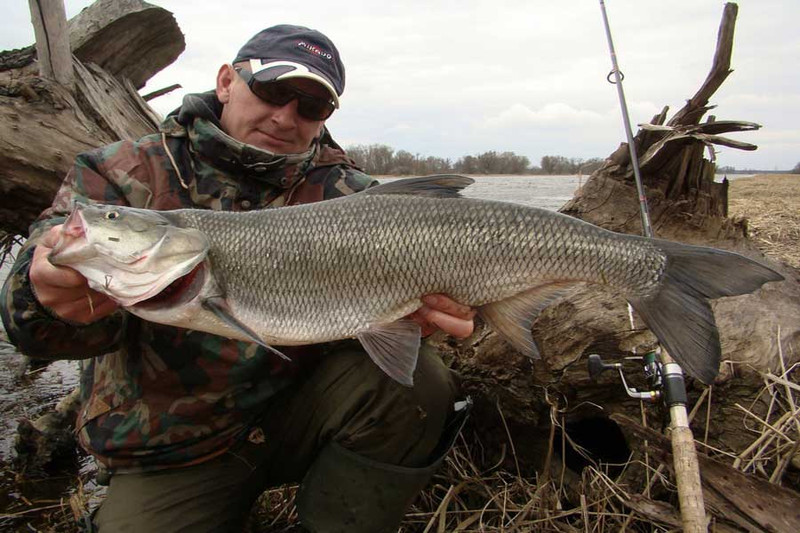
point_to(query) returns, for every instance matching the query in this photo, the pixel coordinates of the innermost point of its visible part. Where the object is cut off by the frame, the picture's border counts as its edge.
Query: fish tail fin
(679, 313)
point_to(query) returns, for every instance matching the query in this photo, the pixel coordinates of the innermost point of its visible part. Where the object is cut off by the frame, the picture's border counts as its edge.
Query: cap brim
(285, 70)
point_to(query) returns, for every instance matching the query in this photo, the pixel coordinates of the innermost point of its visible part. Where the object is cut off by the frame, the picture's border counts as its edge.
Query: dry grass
(7, 243)
(465, 497)
(470, 496)
(41, 513)
(776, 445)
(771, 203)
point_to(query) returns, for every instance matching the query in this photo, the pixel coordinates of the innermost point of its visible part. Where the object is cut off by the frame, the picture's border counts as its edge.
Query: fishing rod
(647, 228)
(687, 470)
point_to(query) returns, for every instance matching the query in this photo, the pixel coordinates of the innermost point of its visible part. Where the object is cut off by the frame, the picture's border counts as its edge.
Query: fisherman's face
(251, 120)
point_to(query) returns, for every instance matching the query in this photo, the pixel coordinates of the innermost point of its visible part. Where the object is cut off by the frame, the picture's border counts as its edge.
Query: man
(192, 427)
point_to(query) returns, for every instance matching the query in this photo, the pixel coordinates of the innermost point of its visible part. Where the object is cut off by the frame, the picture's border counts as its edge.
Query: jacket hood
(198, 105)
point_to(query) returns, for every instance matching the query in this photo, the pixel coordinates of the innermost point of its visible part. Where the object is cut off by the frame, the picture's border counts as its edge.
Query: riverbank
(771, 204)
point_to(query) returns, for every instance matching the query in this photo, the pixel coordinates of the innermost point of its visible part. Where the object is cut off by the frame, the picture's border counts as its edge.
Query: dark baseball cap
(285, 51)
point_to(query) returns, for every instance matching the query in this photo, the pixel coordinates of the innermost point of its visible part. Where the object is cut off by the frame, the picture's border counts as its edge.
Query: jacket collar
(198, 119)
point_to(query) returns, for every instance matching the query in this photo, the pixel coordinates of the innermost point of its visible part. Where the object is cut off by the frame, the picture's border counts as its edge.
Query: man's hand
(441, 312)
(63, 290)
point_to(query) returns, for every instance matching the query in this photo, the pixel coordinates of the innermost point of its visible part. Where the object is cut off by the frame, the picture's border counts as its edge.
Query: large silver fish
(355, 266)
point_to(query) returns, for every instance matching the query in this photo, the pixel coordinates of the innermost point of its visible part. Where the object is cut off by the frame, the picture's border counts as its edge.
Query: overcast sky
(455, 77)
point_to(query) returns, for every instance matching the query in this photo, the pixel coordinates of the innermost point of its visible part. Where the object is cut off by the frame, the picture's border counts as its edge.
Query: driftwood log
(117, 45)
(748, 502)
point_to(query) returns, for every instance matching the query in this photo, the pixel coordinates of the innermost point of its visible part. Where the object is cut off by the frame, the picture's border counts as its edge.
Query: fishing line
(618, 77)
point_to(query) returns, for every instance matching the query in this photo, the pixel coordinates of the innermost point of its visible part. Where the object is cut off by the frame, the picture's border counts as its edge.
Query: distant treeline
(733, 170)
(380, 159)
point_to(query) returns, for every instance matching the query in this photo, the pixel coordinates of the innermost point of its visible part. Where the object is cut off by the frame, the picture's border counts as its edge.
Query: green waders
(345, 491)
(360, 445)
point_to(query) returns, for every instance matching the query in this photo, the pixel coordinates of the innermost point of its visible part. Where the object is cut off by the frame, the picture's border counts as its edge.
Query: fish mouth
(182, 290)
(73, 244)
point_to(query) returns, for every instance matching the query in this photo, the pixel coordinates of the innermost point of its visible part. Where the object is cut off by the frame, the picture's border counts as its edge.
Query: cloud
(453, 78)
(557, 114)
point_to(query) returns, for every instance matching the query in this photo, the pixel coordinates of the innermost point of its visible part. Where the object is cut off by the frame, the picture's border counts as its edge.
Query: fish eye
(111, 215)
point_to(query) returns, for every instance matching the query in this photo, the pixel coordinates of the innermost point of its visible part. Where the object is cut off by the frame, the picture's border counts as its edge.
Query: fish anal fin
(394, 347)
(219, 306)
(513, 317)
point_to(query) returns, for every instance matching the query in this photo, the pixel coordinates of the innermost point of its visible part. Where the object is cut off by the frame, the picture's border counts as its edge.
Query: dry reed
(770, 203)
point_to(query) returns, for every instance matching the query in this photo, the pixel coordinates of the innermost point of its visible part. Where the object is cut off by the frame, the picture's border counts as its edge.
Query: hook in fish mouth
(183, 289)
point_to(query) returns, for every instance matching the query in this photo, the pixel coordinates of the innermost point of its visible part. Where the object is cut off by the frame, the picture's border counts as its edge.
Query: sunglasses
(280, 93)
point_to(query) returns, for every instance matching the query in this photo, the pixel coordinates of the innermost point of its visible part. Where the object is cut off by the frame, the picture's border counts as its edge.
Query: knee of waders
(394, 423)
(434, 392)
(347, 492)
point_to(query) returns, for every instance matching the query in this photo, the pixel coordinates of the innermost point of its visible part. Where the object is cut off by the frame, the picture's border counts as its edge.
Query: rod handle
(687, 474)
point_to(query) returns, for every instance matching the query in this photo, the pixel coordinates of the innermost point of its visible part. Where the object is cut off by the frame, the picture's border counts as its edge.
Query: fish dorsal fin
(513, 317)
(394, 347)
(219, 306)
(437, 186)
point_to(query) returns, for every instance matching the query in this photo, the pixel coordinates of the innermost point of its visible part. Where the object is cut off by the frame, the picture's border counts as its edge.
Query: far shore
(731, 175)
(393, 176)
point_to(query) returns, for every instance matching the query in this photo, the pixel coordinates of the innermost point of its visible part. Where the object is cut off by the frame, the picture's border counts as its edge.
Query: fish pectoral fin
(219, 306)
(513, 317)
(394, 347)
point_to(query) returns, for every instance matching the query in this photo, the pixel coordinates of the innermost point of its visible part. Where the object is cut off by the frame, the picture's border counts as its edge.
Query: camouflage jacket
(157, 396)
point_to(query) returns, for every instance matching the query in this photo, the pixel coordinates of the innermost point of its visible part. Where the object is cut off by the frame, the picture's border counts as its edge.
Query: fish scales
(313, 273)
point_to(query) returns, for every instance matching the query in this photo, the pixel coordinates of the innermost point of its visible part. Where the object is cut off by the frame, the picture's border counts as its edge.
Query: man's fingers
(61, 277)
(63, 290)
(457, 327)
(446, 314)
(42, 272)
(50, 238)
(85, 310)
(425, 327)
(447, 305)
(450, 324)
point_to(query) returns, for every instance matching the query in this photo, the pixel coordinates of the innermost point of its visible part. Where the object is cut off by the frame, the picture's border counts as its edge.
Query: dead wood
(749, 501)
(52, 41)
(687, 204)
(129, 39)
(117, 45)
(42, 442)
